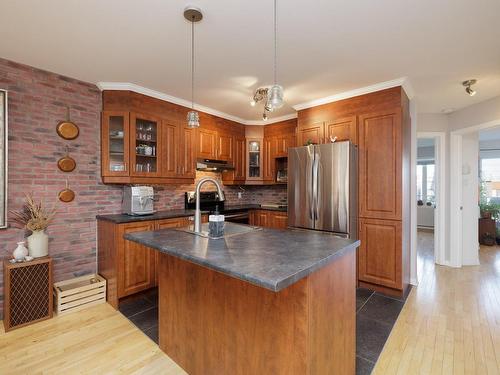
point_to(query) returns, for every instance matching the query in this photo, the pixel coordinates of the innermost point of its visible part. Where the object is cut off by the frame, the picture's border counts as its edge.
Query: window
(490, 179)
(426, 187)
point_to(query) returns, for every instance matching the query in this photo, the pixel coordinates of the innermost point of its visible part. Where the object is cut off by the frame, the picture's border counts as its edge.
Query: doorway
(430, 200)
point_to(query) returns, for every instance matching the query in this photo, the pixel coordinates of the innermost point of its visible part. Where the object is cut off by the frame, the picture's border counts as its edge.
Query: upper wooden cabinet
(283, 143)
(187, 153)
(169, 158)
(344, 129)
(225, 146)
(207, 143)
(237, 176)
(115, 144)
(380, 165)
(313, 133)
(145, 132)
(269, 159)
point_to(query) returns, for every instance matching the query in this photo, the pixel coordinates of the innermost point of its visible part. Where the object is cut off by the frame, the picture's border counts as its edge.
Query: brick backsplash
(37, 102)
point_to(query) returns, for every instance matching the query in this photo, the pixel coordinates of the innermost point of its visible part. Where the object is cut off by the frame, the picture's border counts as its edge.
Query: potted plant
(34, 217)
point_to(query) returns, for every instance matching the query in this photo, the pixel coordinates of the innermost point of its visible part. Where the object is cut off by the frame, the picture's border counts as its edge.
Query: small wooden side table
(27, 292)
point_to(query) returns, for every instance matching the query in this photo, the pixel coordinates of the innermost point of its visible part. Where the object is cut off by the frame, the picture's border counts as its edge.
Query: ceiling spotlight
(468, 89)
(252, 103)
(264, 116)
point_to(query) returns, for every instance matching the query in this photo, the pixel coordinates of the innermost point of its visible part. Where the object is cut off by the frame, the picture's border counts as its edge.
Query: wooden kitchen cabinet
(170, 156)
(311, 133)
(225, 145)
(237, 176)
(380, 165)
(115, 133)
(283, 143)
(187, 153)
(145, 131)
(128, 267)
(207, 143)
(380, 253)
(269, 159)
(345, 129)
(136, 263)
(269, 219)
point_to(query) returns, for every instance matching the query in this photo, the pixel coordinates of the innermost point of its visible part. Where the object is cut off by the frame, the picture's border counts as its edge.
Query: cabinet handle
(125, 166)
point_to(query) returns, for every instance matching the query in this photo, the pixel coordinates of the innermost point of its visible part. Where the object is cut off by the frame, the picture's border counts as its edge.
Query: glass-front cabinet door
(115, 143)
(144, 151)
(254, 159)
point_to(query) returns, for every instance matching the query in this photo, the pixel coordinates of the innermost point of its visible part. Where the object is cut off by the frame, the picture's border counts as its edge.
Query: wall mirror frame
(3, 158)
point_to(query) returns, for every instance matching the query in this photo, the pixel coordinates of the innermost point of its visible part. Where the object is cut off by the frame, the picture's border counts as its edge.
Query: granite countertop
(170, 214)
(124, 218)
(269, 258)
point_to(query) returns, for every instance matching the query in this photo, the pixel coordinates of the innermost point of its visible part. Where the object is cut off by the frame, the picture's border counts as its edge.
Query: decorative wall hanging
(3, 159)
(66, 195)
(67, 129)
(66, 163)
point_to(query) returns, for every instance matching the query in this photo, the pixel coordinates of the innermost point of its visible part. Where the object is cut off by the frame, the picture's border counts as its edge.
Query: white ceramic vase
(38, 244)
(20, 252)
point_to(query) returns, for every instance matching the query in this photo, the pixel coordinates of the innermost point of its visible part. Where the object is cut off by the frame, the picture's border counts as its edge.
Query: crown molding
(159, 95)
(403, 82)
(272, 120)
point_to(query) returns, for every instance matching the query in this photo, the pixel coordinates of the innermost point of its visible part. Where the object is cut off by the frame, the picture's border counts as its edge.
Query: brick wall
(37, 102)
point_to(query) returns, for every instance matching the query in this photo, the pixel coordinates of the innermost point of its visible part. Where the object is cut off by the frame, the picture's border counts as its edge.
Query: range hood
(211, 165)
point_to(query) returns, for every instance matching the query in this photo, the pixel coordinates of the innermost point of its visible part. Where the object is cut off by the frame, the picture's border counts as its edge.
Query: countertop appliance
(322, 188)
(138, 200)
(209, 200)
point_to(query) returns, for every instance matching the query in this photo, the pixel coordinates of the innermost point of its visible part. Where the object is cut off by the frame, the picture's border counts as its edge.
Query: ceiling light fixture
(468, 89)
(273, 96)
(193, 15)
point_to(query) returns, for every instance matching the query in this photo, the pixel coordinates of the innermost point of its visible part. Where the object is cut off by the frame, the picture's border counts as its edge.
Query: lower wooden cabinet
(136, 262)
(380, 253)
(127, 266)
(269, 219)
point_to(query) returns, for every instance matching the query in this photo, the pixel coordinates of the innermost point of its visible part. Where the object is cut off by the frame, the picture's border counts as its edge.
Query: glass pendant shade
(275, 98)
(193, 119)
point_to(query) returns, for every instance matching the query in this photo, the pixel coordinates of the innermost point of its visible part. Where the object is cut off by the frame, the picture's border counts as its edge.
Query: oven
(240, 217)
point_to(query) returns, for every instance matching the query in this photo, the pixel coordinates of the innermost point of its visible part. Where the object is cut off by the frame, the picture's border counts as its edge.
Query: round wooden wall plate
(66, 195)
(66, 164)
(67, 130)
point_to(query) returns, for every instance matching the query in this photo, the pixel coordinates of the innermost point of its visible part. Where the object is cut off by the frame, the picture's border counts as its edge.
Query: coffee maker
(138, 200)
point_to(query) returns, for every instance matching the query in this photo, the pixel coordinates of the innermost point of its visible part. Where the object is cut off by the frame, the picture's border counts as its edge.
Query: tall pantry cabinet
(379, 124)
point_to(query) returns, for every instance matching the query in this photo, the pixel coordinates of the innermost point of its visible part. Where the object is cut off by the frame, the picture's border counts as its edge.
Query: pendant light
(275, 95)
(193, 15)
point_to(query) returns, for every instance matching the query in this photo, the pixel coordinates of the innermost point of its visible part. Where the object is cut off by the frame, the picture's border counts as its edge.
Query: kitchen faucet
(197, 215)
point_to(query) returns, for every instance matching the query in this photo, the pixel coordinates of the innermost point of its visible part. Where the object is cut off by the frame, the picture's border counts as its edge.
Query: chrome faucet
(197, 215)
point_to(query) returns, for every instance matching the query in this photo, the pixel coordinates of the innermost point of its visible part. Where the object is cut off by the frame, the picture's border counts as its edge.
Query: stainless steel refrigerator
(322, 188)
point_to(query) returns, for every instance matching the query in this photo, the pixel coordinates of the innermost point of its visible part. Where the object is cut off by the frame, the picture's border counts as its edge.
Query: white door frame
(456, 224)
(440, 176)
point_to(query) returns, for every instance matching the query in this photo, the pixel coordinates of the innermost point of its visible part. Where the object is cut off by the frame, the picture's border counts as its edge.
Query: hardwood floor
(98, 340)
(450, 323)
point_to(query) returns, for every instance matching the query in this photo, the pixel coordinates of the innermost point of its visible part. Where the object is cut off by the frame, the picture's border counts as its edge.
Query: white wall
(474, 115)
(470, 198)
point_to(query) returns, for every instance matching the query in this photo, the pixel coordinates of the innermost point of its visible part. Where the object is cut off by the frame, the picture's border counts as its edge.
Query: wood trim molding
(404, 82)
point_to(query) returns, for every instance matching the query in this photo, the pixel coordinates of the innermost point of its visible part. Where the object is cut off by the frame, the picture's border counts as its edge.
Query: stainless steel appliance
(138, 200)
(210, 165)
(209, 200)
(322, 188)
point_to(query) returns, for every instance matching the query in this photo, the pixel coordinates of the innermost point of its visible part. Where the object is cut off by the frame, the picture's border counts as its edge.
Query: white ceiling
(326, 47)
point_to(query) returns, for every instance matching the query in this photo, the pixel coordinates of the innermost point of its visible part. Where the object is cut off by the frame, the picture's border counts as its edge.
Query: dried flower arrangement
(33, 216)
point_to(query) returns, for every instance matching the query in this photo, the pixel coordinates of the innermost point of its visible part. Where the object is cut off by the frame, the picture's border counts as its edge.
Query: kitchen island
(263, 302)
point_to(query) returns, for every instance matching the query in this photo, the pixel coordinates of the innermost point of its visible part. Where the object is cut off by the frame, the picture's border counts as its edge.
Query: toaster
(138, 200)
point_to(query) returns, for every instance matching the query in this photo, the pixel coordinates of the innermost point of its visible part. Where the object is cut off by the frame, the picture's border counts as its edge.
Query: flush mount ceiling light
(468, 89)
(272, 97)
(193, 15)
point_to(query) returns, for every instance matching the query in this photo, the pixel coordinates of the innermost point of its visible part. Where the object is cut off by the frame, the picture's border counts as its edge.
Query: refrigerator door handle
(310, 189)
(315, 187)
(317, 204)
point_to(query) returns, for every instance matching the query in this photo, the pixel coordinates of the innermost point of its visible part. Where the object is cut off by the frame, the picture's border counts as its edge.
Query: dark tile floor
(375, 316)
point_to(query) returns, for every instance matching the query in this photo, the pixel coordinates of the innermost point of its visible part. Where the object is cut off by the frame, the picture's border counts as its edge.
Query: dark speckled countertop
(269, 258)
(170, 214)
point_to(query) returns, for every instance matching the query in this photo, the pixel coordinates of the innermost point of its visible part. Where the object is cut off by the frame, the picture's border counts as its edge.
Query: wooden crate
(79, 293)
